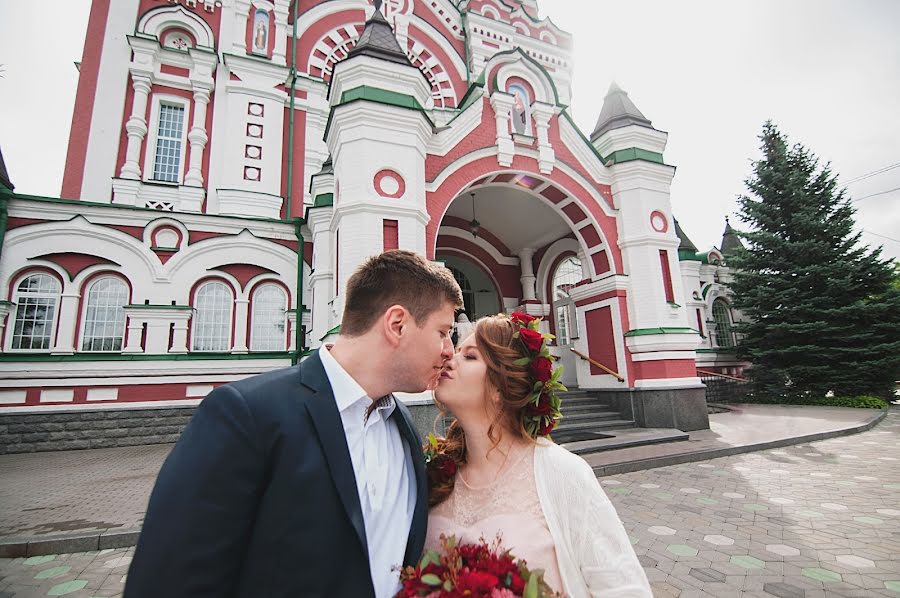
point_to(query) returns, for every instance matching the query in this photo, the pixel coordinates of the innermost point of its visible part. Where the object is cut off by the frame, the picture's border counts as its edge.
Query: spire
(731, 242)
(686, 250)
(378, 41)
(327, 166)
(618, 111)
(4, 176)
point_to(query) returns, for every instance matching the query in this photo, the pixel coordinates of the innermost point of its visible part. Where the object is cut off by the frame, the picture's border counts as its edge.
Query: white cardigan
(593, 551)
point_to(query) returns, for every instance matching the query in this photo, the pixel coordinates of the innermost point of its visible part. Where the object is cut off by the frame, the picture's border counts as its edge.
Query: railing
(598, 364)
(722, 388)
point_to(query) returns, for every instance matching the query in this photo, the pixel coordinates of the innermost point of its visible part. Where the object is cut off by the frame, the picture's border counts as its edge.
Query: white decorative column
(502, 104)
(179, 331)
(241, 309)
(542, 114)
(65, 327)
(292, 324)
(133, 334)
(136, 128)
(5, 308)
(525, 265)
(321, 278)
(281, 32)
(239, 34)
(197, 138)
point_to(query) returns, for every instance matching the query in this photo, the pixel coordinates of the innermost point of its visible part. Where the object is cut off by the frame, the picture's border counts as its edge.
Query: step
(583, 401)
(610, 424)
(626, 439)
(586, 408)
(594, 416)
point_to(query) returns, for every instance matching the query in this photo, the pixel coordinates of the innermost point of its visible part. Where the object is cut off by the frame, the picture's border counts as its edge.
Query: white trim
(71, 379)
(12, 397)
(664, 356)
(121, 405)
(102, 394)
(57, 395)
(157, 99)
(158, 20)
(669, 383)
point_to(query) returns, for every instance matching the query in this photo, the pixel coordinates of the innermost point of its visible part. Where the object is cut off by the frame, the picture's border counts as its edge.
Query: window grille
(212, 318)
(167, 165)
(267, 319)
(36, 299)
(104, 317)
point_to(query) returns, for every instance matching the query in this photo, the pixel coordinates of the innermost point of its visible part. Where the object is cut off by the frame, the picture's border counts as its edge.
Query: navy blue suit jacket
(258, 498)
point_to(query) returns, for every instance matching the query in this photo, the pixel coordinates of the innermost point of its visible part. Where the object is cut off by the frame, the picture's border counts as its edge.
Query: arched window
(722, 317)
(267, 322)
(521, 110)
(566, 276)
(468, 295)
(104, 315)
(35, 298)
(213, 304)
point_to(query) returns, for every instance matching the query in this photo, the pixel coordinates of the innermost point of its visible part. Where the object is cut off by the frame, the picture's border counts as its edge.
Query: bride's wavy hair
(499, 350)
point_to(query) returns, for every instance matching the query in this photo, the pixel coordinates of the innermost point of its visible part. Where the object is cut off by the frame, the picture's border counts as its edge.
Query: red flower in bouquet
(541, 369)
(531, 339)
(547, 426)
(474, 570)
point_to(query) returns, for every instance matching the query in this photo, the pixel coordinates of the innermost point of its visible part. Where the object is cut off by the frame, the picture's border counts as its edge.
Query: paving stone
(784, 590)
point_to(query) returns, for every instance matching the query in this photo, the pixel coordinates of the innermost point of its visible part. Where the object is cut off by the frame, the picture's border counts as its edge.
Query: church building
(231, 162)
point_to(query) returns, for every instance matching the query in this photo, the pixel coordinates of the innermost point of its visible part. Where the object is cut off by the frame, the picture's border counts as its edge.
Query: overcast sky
(709, 72)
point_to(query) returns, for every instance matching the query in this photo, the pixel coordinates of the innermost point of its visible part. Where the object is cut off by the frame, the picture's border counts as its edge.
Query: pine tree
(823, 312)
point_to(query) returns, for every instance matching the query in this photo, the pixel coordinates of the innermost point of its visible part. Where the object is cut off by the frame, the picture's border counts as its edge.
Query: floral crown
(541, 414)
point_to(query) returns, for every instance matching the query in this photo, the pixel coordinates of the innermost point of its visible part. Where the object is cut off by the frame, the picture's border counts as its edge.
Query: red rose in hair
(547, 426)
(544, 406)
(441, 469)
(533, 340)
(520, 318)
(541, 369)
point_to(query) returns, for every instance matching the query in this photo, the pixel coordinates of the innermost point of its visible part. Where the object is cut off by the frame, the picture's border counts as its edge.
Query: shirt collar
(347, 391)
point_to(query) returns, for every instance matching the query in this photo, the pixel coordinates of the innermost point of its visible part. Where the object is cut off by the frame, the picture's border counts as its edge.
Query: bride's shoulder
(556, 458)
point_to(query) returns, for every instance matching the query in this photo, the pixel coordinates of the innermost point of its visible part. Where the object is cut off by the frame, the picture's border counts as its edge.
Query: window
(267, 320)
(568, 273)
(104, 315)
(666, 275)
(722, 317)
(212, 317)
(468, 295)
(36, 299)
(169, 133)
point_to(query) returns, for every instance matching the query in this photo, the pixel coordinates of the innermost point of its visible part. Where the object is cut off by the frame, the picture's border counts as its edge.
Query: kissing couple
(311, 480)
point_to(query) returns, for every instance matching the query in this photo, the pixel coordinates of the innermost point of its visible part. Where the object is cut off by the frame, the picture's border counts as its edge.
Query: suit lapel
(330, 429)
(416, 540)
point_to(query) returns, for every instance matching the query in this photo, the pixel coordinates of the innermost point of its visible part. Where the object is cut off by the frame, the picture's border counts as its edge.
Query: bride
(511, 480)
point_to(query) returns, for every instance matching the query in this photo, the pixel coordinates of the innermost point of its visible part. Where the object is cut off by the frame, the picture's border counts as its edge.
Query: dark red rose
(544, 406)
(533, 340)
(541, 369)
(547, 426)
(520, 318)
(441, 469)
(518, 584)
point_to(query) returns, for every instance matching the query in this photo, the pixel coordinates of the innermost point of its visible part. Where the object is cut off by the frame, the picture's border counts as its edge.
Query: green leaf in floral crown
(522, 361)
(516, 335)
(531, 588)
(448, 586)
(432, 441)
(550, 336)
(433, 580)
(538, 386)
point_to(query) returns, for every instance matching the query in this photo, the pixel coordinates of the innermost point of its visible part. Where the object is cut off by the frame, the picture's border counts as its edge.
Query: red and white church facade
(231, 162)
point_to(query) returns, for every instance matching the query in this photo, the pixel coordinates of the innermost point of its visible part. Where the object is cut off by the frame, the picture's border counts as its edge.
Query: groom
(308, 481)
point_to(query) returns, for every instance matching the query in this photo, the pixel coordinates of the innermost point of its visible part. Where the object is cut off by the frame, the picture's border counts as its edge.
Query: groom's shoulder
(281, 382)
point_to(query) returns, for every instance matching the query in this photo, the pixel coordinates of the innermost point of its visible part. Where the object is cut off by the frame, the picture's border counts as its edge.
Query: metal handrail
(599, 365)
(718, 375)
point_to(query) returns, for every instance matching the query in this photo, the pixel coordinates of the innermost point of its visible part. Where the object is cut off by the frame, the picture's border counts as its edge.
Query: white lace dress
(509, 506)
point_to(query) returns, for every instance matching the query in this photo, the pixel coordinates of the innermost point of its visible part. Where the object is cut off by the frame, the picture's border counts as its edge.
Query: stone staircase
(590, 424)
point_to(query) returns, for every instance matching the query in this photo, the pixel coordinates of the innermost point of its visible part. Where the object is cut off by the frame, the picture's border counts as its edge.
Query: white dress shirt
(385, 478)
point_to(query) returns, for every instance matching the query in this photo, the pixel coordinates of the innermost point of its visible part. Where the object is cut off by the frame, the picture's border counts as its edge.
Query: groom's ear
(394, 322)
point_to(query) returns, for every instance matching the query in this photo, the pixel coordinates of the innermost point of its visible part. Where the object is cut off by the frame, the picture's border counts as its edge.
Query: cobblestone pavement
(808, 521)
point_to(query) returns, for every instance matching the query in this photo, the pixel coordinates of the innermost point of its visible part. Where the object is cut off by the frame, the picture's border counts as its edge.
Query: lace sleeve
(607, 561)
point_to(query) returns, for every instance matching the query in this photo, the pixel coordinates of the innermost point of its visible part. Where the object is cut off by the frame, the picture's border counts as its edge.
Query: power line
(882, 236)
(876, 194)
(873, 173)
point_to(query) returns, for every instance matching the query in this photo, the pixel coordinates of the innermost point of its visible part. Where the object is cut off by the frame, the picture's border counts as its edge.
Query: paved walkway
(812, 520)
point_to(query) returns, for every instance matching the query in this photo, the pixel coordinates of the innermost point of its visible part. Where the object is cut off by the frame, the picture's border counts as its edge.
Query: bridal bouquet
(477, 570)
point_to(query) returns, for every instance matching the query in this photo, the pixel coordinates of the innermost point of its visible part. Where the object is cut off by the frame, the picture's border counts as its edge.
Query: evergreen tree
(823, 312)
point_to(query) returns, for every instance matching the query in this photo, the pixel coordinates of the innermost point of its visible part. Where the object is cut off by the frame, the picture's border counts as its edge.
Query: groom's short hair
(397, 277)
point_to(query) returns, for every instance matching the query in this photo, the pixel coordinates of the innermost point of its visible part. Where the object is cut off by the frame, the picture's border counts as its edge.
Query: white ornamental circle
(389, 185)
